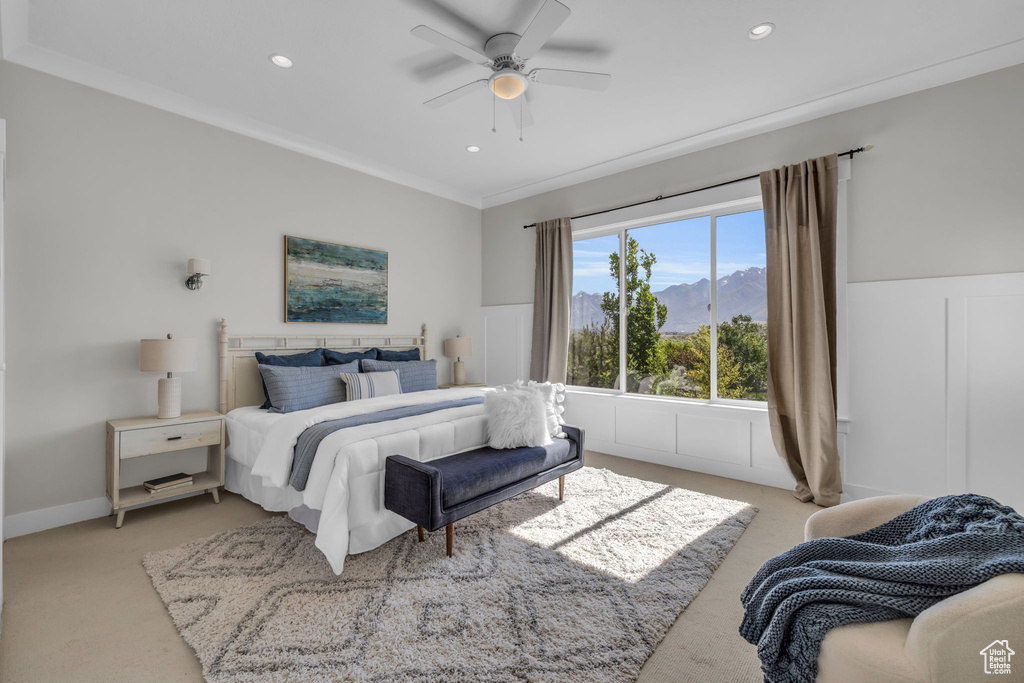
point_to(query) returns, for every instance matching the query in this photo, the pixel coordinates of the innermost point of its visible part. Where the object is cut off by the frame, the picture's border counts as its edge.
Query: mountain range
(742, 293)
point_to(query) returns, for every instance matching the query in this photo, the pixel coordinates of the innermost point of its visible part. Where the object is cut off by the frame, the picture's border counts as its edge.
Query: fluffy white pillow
(516, 418)
(552, 394)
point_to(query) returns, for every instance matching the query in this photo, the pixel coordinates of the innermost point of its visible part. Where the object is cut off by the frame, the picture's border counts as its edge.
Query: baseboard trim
(61, 515)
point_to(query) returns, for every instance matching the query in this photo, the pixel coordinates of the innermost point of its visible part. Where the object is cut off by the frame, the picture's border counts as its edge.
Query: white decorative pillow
(370, 384)
(516, 418)
(552, 394)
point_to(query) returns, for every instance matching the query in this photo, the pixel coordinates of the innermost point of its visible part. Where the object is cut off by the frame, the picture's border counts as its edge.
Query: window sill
(722, 408)
(672, 401)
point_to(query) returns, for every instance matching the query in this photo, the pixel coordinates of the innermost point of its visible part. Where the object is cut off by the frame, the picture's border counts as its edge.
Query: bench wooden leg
(419, 531)
(449, 536)
(561, 487)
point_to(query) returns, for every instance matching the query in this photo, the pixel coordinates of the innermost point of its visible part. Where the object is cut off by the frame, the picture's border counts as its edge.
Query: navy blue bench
(438, 493)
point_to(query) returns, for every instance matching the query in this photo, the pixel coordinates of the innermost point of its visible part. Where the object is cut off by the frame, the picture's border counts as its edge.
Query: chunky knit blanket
(939, 548)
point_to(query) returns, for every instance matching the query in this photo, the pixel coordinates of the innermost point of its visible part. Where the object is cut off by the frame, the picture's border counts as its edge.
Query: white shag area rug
(538, 590)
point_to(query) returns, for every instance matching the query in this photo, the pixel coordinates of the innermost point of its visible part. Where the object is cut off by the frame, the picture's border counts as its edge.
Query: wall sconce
(197, 268)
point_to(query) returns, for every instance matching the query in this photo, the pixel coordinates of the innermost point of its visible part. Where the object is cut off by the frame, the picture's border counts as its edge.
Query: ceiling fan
(506, 54)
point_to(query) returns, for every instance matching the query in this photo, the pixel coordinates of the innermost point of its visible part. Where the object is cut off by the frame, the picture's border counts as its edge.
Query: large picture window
(674, 308)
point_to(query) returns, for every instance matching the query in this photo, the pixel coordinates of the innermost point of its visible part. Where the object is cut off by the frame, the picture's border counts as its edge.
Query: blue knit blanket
(939, 548)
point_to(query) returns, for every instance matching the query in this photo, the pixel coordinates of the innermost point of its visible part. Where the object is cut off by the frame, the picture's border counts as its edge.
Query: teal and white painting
(334, 283)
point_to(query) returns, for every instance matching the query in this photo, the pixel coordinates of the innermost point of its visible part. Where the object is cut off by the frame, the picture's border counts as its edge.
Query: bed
(341, 498)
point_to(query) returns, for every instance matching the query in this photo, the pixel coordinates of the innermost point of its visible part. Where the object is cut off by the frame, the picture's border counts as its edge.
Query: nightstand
(139, 436)
(460, 386)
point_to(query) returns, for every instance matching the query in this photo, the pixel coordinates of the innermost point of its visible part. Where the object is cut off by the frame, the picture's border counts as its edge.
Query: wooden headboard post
(223, 344)
(239, 375)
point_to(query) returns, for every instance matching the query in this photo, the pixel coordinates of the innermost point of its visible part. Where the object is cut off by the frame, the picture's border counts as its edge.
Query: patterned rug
(538, 590)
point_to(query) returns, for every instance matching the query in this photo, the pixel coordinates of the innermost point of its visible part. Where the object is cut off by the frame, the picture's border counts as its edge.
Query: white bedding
(346, 482)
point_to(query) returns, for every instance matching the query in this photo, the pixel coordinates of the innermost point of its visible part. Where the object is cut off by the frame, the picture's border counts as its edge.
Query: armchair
(943, 643)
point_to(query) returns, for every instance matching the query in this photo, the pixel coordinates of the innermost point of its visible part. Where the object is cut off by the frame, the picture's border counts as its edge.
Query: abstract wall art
(334, 283)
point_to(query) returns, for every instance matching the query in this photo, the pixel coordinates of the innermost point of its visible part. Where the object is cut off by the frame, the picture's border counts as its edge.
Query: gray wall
(941, 194)
(106, 201)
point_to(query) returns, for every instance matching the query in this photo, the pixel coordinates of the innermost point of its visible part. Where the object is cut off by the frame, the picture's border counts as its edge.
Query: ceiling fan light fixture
(281, 61)
(473, 149)
(761, 31)
(508, 84)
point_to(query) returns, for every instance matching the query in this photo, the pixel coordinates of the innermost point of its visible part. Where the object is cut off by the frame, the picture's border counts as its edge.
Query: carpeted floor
(579, 590)
(79, 605)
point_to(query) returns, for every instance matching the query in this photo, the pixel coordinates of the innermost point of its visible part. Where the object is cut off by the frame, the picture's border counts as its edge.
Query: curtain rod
(849, 152)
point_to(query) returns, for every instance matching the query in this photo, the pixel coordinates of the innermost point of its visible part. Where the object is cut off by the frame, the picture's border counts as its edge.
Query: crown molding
(13, 26)
(62, 66)
(931, 76)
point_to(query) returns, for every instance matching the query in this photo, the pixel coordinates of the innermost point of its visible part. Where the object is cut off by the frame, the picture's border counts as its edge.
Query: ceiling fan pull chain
(521, 98)
(494, 119)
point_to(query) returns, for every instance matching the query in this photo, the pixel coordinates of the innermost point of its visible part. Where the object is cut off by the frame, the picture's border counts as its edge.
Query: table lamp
(457, 347)
(168, 355)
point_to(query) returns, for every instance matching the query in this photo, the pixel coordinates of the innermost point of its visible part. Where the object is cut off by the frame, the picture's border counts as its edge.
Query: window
(676, 278)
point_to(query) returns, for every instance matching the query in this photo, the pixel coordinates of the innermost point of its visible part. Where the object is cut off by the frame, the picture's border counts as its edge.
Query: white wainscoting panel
(728, 441)
(713, 438)
(935, 376)
(652, 427)
(508, 336)
(995, 376)
(897, 394)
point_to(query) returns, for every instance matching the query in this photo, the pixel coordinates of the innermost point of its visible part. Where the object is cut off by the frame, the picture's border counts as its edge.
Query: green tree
(695, 357)
(645, 315)
(593, 357)
(748, 343)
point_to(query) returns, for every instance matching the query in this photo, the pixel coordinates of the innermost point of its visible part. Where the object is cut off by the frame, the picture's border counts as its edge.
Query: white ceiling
(684, 74)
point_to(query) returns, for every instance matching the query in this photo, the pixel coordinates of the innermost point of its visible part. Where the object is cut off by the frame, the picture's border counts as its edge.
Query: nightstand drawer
(176, 437)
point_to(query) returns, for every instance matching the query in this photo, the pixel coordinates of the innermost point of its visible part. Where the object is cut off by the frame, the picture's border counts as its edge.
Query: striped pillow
(414, 375)
(300, 388)
(370, 384)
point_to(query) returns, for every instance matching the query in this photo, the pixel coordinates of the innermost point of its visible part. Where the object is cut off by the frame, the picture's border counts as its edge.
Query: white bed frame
(240, 378)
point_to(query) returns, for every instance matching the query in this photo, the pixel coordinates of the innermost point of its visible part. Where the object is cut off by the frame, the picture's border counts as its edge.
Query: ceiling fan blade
(571, 79)
(431, 36)
(444, 65)
(546, 22)
(576, 48)
(445, 16)
(457, 93)
(514, 108)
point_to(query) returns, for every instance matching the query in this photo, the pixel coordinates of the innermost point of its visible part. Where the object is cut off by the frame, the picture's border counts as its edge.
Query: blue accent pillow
(385, 354)
(337, 358)
(304, 387)
(412, 375)
(310, 359)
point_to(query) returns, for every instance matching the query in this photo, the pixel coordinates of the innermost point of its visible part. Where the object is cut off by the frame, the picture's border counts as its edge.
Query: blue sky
(683, 250)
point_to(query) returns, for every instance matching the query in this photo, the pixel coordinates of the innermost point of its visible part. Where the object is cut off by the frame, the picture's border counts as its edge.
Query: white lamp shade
(168, 355)
(458, 347)
(199, 265)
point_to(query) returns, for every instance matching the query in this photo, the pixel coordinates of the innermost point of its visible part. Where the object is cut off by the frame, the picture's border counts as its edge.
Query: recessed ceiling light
(281, 61)
(472, 148)
(761, 31)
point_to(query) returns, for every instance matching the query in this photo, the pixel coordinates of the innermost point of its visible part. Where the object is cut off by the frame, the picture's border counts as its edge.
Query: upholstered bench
(439, 493)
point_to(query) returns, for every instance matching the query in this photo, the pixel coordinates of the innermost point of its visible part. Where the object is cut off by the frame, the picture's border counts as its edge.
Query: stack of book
(171, 481)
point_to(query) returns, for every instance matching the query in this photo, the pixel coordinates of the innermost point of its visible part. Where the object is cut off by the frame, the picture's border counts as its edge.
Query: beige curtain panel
(800, 233)
(552, 296)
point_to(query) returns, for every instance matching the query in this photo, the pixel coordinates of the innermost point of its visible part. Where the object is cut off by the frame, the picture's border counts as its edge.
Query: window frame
(713, 211)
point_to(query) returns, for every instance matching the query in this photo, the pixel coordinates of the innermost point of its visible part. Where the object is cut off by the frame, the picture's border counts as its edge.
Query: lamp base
(168, 398)
(459, 369)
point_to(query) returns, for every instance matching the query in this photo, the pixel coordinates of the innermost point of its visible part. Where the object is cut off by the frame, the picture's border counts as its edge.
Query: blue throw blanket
(939, 548)
(309, 440)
